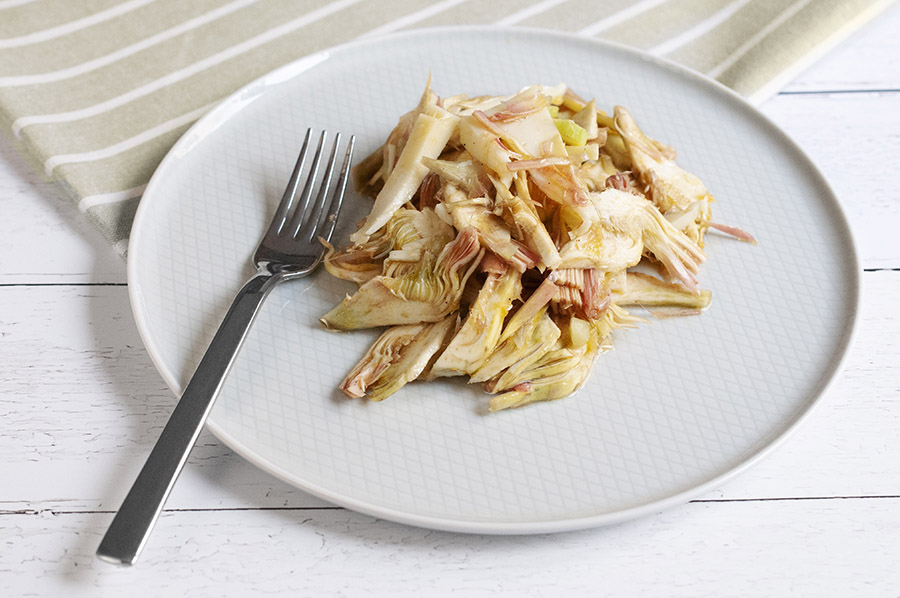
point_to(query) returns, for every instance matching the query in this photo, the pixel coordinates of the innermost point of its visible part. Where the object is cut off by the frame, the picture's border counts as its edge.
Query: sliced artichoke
(482, 327)
(555, 203)
(399, 356)
(520, 214)
(410, 293)
(407, 235)
(430, 132)
(493, 233)
(625, 227)
(644, 290)
(525, 345)
(464, 173)
(670, 186)
(555, 375)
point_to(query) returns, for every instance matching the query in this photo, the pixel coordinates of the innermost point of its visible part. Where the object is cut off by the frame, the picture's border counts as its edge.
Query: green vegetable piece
(570, 132)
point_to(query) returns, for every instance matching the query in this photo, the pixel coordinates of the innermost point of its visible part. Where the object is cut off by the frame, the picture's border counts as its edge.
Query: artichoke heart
(399, 356)
(410, 232)
(481, 329)
(524, 346)
(424, 291)
(625, 227)
(556, 375)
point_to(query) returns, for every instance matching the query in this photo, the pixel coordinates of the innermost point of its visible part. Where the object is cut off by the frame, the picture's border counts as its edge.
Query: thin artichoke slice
(625, 227)
(556, 375)
(564, 368)
(669, 185)
(493, 232)
(481, 329)
(464, 173)
(520, 214)
(396, 358)
(430, 132)
(410, 231)
(484, 146)
(546, 292)
(426, 291)
(372, 172)
(525, 346)
(643, 290)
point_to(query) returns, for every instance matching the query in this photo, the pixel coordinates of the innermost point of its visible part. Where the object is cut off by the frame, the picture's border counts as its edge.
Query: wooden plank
(45, 238)
(805, 548)
(854, 139)
(82, 405)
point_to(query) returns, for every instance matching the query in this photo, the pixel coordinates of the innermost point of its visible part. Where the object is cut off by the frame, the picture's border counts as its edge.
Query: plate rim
(223, 112)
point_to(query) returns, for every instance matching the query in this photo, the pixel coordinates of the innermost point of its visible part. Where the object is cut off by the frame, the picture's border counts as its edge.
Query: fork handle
(133, 522)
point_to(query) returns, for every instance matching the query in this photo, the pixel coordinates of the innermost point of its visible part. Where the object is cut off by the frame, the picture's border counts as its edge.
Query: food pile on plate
(508, 237)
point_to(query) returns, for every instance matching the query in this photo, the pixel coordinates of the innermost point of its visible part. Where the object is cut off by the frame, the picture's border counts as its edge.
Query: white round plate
(674, 409)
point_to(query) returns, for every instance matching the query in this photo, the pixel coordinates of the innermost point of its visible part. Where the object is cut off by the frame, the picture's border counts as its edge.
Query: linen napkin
(95, 92)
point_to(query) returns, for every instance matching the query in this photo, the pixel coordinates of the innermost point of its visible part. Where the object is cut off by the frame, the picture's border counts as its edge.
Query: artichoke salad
(503, 241)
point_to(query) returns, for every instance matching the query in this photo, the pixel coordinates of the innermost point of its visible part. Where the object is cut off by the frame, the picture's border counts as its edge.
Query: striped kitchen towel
(97, 91)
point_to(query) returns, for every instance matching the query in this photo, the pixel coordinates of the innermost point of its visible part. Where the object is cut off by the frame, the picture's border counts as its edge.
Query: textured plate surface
(675, 408)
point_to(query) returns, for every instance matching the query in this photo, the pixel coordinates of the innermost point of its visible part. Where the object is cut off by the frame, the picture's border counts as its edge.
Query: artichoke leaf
(670, 186)
(644, 290)
(427, 139)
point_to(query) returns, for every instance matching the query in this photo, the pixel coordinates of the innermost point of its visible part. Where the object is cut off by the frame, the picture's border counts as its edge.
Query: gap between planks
(55, 512)
(825, 92)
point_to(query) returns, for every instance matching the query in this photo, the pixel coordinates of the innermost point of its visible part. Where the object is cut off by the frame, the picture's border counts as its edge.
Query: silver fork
(289, 249)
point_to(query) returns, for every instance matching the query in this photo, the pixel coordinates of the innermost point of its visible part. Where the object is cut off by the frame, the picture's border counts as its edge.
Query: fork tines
(295, 217)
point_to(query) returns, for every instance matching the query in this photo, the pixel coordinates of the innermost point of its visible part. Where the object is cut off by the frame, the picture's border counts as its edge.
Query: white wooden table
(81, 405)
